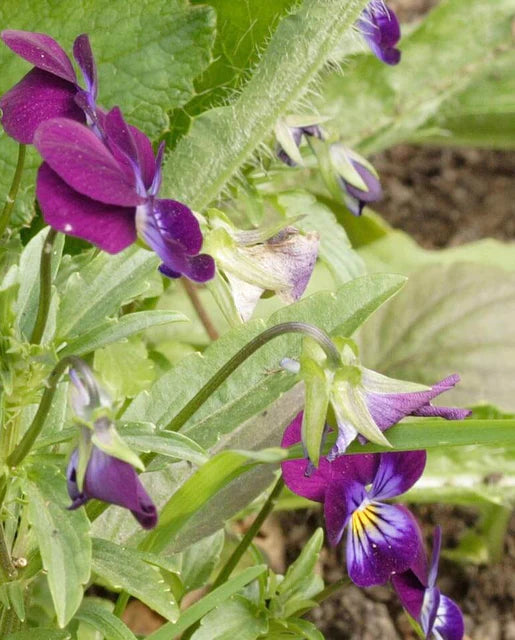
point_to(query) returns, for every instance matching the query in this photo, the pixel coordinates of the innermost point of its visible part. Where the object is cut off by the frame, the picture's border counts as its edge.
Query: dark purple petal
(388, 408)
(313, 486)
(84, 56)
(38, 97)
(75, 153)
(410, 591)
(397, 472)
(343, 497)
(382, 541)
(114, 481)
(157, 164)
(175, 222)
(199, 268)
(449, 620)
(109, 227)
(120, 141)
(380, 27)
(435, 557)
(40, 50)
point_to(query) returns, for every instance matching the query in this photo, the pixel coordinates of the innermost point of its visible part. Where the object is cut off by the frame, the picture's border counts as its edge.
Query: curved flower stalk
(106, 193)
(279, 260)
(439, 616)
(50, 89)
(92, 471)
(382, 538)
(381, 29)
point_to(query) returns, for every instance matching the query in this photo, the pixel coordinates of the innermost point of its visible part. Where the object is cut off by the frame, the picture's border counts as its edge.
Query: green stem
(6, 566)
(25, 444)
(13, 191)
(121, 603)
(236, 555)
(245, 352)
(332, 588)
(45, 287)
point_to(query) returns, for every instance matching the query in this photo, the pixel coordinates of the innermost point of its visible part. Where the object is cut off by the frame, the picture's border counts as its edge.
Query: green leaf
(316, 401)
(454, 318)
(305, 628)
(253, 388)
(40, 634)
(196, 611)
(398, 252)
(15, 591)
(124, 570)
(62, 536)
(236, 618)
(98, 616)
(125, 368)
(26, 306)
(399, 100)
(223, 139)
(302, 569)
(166, 443)
(200, 559)
(102, 286)
(116, 330)
(481, 116)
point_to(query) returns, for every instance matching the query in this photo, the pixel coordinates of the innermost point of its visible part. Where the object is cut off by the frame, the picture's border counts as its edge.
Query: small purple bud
(380, 27)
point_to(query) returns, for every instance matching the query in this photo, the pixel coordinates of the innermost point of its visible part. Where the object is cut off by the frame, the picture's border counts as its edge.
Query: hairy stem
(45, 287)
(5, 216)
(191, 290)
(245, 352)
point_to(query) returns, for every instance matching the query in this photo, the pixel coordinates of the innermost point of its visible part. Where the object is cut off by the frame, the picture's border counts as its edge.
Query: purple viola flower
(111, 480)
(357, 178)
(50, 89)
(439, 616)
(382, 538)
(381, 29)
(105, 191)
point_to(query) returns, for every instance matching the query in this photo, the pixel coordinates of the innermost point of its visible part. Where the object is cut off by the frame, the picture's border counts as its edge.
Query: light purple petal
(435, 557)
(374, 191)
(84, 56)
(114, 481)
(397, 472)
(382, 541)
(40, 50)
(449, 620)
(388, 408)
(38, 97)
(109, 227)
(429, 610)
(76, 154)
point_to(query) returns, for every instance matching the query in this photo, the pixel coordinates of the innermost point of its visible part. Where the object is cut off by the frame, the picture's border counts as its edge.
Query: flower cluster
(384, 542)
(100, 179)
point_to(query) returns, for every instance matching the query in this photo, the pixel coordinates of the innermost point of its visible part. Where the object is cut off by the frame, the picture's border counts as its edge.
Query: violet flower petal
(39, 96)
(397, 472)
(429, 610)
(76, 154)
(78, 498)
(175, 222)
(84, 56)
(380, 28)
(109, 227)
(410, 591)
(389, 408)
(381, 541)
(449, 620)
(200, 268)
(342, 499)
(40, 50)
(112, 480)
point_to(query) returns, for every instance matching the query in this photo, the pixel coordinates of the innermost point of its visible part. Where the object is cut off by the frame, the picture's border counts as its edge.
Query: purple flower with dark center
(356, 176)
(382, 538)
(439, 616)
(105, 191)
(111, 480)
(381, 29)
(50, 90)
